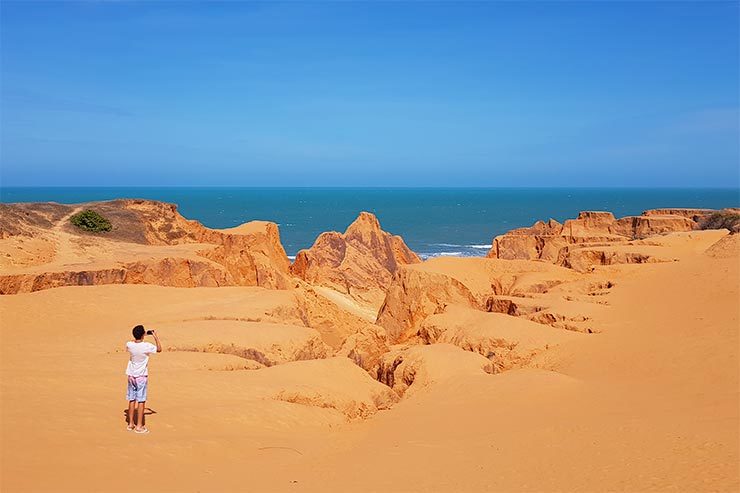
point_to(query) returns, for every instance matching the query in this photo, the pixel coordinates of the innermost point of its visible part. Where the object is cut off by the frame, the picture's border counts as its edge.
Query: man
(138, 374)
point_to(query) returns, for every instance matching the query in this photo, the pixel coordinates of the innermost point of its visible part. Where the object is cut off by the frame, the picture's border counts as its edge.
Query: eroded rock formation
(334, 383)
(508, 342)
(360, 262)
(413, 295)
(421, 366)
(589, 239)
(150, 243)
(268, 344)
(366, 347)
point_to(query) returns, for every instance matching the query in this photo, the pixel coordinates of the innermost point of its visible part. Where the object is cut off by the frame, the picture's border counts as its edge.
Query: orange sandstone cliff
(359, 262)
(595, 238)
(150, 243)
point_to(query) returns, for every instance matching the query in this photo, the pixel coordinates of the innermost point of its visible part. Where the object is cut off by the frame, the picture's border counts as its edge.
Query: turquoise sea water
(437, 221)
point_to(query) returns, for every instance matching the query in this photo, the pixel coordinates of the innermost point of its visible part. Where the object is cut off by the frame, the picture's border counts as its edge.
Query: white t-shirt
(137, 364)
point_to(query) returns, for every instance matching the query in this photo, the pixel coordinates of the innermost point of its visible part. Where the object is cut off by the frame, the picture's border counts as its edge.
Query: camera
(149, 332)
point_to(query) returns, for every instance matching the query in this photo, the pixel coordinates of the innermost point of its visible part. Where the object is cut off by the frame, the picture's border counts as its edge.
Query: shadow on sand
(147, 411)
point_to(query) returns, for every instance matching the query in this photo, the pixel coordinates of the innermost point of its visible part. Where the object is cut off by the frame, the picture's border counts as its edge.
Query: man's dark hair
(138, 332)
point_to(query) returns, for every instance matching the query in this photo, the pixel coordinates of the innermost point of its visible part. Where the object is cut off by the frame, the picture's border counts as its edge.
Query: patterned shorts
(137, 389)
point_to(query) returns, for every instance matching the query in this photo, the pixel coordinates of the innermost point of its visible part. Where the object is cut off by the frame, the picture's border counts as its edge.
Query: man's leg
(131, 418)
(140, 415)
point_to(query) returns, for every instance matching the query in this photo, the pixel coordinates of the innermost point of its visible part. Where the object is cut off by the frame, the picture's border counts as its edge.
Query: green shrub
(91, 221)
(722, 220)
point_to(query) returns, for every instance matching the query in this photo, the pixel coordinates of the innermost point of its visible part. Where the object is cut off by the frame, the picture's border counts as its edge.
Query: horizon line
(400, 187)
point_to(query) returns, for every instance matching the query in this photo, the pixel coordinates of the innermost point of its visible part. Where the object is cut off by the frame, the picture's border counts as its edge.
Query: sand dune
(480, 375)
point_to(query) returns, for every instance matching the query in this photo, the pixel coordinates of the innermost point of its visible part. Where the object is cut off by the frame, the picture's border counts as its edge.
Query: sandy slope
(650, 403)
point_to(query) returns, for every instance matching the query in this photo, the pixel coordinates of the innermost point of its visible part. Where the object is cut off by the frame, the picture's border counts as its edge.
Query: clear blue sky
(370, 94)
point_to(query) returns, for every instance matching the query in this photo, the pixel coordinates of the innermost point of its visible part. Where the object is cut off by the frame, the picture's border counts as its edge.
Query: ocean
(432, 221)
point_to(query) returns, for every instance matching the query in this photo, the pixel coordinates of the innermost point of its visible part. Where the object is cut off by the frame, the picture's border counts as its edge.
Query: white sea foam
(456, 245)
(455, 253)
(291, 257)
(446, 254)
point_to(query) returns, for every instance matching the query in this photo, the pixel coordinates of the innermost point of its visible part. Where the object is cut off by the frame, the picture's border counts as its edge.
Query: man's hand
(156, 339)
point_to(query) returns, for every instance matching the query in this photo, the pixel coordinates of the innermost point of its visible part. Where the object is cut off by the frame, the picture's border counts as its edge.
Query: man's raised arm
(156, 340)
